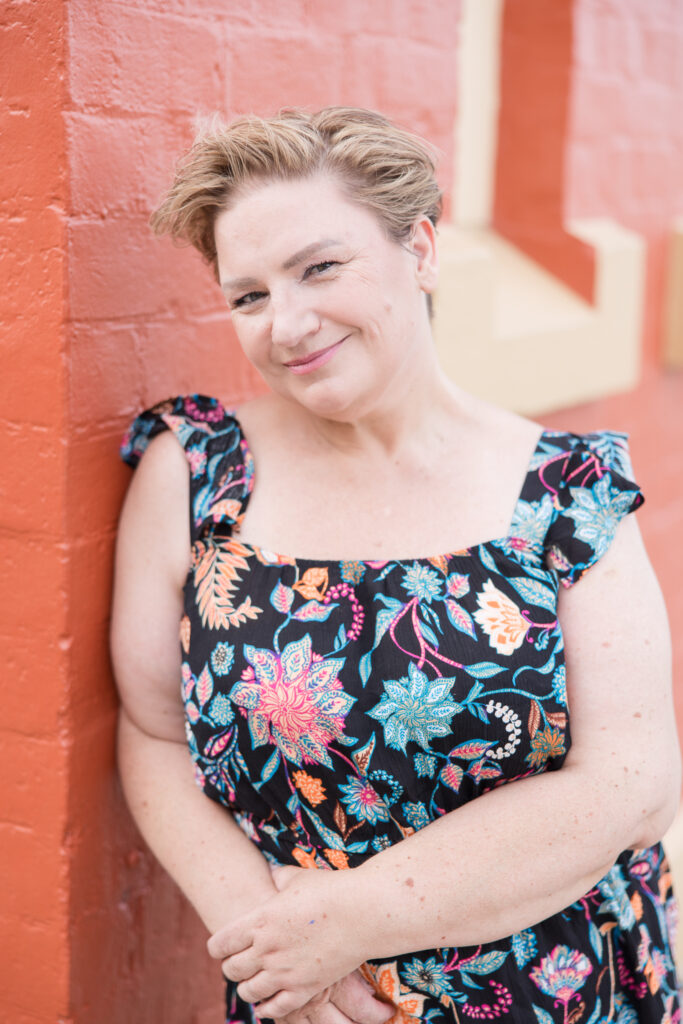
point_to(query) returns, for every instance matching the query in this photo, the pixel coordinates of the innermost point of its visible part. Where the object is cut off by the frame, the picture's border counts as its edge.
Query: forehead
(277, 218)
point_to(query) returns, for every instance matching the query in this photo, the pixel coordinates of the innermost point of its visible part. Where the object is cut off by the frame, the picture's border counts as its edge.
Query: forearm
(218, 868)
(501, 863)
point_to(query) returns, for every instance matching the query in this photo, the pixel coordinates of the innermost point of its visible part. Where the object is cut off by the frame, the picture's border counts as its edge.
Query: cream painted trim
(476, 126)
(508, 330)
(673, 346)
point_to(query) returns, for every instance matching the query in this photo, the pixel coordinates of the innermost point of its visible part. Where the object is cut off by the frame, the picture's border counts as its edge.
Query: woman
(360, 659)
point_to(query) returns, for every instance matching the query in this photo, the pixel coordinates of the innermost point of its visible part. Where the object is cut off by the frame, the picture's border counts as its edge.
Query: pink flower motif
(295, 701)
(562, 973)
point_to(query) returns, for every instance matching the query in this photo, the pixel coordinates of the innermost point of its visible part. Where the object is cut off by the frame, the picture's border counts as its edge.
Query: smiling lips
(316, 359)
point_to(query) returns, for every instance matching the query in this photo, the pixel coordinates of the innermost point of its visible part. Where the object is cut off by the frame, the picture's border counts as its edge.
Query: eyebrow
(298, 257)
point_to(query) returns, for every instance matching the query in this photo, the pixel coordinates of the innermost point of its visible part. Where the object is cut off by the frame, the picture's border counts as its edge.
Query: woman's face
(326, 307)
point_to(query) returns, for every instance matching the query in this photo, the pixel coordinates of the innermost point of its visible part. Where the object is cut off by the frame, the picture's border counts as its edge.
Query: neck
(412, 405)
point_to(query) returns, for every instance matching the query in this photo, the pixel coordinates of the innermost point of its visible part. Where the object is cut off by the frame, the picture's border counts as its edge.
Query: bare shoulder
(152, 560)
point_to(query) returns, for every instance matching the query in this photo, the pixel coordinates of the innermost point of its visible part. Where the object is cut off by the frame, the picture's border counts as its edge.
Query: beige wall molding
(673, 341)
(508, 330)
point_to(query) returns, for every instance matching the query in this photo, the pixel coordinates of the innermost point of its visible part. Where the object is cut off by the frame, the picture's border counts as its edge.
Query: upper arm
(152, 560)
(618, 658)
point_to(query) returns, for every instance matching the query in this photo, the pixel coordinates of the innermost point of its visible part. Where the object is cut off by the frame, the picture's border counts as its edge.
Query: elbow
(662, 800)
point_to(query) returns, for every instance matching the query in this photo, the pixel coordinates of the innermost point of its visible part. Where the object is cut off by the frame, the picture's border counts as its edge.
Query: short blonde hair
(379, 165)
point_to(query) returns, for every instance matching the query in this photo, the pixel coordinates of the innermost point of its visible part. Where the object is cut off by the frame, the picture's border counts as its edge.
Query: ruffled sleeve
(593, 494)
(219, 461)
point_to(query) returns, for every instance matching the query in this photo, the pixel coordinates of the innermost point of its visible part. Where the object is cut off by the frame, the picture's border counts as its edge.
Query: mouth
(315, 359)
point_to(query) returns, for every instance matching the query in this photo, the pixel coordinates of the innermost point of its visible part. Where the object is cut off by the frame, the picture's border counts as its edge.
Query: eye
(247, 300)
(320, 268)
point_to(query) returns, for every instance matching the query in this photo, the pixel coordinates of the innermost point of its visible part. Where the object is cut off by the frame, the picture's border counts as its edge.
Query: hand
(295, 944)
(347, 1001)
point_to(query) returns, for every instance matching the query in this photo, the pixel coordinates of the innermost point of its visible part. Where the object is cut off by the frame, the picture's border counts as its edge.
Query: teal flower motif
(532, 521)
(363, 801)
(427, 976)
(615, 894)
(422, 582)
(352, 572)
(416, 815)
(597, 511)
(222, 658)
(415, 709)
(560, 684)
(425, 765)
(221, 710)
(524, 947)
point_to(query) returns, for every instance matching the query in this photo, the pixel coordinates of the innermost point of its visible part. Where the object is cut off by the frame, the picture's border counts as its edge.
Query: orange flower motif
(337, 859)
(546, 743)
(501, 619)
(312, 789)
(185, 633)
(385, 980)
(304, 858)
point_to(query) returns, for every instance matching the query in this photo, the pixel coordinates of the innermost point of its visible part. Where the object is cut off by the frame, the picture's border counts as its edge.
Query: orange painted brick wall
(624, 155)
(146, 321)
(96, 100)
(33, 740)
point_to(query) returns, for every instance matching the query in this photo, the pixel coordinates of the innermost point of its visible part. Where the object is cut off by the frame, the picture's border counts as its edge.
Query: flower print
(562, 973)
(425, 765)
(294, 700)
(524, 946)
(221, 710)
(655, 970)
(501, 619)
(312, 789)
(596, 512)
(212, 411)
(516, 546)
(422, 582)
(545, 744)
(338, 859)
(531, 523)
(381, 843)
(616, 902)
(416, 815)
(196, 456)
(352, 572)
(385, 981)
(222, 658)
(427, 976)
(363, 801)
(415, 709)
(560, 684)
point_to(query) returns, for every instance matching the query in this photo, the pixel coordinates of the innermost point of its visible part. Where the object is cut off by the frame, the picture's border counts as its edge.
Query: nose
(292, 320)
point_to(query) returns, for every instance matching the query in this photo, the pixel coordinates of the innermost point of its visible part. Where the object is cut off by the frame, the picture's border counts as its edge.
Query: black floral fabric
(336, 707)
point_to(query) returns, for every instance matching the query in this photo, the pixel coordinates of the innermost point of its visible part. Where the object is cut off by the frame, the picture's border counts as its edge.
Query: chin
(331, 399)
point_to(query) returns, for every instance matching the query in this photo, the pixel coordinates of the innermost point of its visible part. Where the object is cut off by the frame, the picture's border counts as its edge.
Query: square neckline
(269, 557)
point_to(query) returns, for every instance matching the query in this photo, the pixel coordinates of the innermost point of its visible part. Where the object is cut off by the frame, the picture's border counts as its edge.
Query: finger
(261, 987)
(328, 1013)
(229, 941)
(241, 966)
(355, 999)
(282, 1004)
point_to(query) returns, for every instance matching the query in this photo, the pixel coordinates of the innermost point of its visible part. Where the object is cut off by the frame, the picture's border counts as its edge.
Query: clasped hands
(300, 950)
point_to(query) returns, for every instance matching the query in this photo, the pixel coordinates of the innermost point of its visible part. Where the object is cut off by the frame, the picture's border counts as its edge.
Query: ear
(423, 246)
